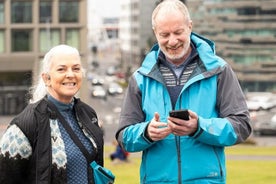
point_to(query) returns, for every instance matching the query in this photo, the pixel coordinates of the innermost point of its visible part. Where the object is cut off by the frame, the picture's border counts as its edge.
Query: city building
(135, 31)
(111, 27)
(244, 32)
(245, 35)
(28, 29)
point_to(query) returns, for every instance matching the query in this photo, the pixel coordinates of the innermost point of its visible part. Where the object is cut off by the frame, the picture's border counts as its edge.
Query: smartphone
(181, 114)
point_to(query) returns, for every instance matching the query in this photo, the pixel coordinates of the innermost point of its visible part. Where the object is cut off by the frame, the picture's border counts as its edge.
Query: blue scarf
(76, 162)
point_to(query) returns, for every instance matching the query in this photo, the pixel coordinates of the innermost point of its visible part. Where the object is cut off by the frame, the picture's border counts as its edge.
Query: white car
(266, 128)
(257, 103)
(98, 92)
(114, 89)
(97, 81)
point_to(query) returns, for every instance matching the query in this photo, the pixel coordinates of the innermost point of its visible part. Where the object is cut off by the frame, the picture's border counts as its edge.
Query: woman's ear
(46, 78)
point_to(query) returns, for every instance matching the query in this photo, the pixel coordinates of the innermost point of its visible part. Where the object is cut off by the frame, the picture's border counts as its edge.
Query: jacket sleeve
(132, 125)
(15, 151)
(233, 124)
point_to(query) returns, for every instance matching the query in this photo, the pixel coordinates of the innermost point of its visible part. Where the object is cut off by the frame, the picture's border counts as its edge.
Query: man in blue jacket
(182, 72)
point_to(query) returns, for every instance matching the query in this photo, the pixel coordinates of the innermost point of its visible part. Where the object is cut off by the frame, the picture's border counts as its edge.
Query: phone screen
(181, 114)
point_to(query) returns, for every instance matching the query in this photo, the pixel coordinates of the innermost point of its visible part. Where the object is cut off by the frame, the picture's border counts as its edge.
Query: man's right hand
(157, 130)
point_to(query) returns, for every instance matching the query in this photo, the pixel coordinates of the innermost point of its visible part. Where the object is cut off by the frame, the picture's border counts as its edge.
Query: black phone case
(181, 114)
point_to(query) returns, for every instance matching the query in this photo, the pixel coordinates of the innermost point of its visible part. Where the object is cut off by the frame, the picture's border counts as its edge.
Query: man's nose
(172, 40)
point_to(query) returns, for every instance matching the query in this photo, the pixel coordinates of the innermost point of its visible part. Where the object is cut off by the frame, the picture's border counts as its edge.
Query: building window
(2, 41)
(21, 12)
(21, 40)
(73, 37)
(48, 39)
(45, 11)
(248, 11)
(2, 13)
(68, 11)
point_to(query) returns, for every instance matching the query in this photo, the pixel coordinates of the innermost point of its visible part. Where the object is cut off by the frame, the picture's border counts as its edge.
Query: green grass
(238, 171)
(251, 171)
(251, 150)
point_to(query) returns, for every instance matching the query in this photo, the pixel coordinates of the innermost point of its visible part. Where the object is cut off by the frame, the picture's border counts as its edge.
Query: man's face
(173, 32)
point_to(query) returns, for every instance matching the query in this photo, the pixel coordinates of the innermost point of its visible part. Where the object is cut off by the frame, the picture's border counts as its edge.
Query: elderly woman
(36, 147)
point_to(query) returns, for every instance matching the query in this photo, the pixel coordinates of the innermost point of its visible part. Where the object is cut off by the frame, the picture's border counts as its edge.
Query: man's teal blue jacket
(213, 92)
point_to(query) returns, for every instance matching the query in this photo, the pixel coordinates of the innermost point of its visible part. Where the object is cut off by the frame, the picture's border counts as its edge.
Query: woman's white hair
(170, 6)
(39, 90)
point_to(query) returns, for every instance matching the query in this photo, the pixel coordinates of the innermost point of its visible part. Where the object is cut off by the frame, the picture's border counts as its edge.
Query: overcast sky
(105, 8)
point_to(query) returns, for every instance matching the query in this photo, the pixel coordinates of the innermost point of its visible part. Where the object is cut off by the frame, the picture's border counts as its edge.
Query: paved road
(261, 141)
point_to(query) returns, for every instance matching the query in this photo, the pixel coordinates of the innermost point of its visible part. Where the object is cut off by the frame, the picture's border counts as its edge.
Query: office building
(28, 29)
(245, 35)
(135, 32)
(244, 32)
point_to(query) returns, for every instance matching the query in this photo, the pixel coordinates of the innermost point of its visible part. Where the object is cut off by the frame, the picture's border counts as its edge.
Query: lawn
(240, 171)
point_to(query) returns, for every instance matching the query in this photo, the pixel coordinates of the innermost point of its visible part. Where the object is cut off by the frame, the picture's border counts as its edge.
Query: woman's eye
(60, 69)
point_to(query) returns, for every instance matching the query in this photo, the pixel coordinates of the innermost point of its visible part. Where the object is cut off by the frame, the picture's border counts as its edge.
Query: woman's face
(65, 77)
(173, 32)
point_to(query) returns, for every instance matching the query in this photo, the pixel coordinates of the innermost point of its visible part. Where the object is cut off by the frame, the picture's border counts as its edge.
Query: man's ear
(191, 24)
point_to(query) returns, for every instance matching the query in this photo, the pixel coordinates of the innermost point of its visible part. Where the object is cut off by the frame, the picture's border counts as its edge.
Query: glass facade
(73, 37)
(244, 34)
(2, 41)
(12, 98)
(45, 11)
(21, 11)
(48, 38)
(2, 13)
(21, 40)
(68, 11)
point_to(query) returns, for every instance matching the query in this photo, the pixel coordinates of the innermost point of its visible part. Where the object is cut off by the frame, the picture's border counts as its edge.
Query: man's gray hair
(170, 6)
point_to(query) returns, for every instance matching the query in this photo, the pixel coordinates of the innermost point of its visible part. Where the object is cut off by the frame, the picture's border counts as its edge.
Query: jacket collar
(204, 47)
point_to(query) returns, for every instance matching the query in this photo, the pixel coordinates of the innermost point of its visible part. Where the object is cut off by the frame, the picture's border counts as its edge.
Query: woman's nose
(69, 73)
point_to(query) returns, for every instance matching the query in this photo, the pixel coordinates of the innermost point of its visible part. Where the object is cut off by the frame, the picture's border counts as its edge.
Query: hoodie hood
(204, 47)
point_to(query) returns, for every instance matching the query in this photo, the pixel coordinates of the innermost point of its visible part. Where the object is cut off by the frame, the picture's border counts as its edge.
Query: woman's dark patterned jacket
(26, 149)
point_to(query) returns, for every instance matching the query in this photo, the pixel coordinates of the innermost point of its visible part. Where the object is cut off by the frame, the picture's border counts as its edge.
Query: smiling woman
(40, 131)
(61, 65)
(64, 77)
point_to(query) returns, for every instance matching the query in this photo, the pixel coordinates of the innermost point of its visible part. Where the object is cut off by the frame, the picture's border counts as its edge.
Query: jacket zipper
(177, 142)
(219, 162)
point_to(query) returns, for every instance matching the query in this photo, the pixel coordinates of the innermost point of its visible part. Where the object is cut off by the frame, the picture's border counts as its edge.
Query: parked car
(114, 89)
(96, 80)
(98, 92)
(257, 103)
(112, 70)
(266, 128)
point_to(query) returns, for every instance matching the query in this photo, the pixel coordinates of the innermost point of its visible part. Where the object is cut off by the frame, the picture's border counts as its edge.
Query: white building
(135, 31)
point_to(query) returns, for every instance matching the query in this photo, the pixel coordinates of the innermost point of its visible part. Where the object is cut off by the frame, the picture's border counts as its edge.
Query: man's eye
(164, 35)
(179, 32)
(76, 69)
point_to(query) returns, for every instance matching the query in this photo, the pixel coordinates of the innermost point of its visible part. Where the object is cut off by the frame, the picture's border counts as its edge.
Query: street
(108, 110)
(111, 123)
